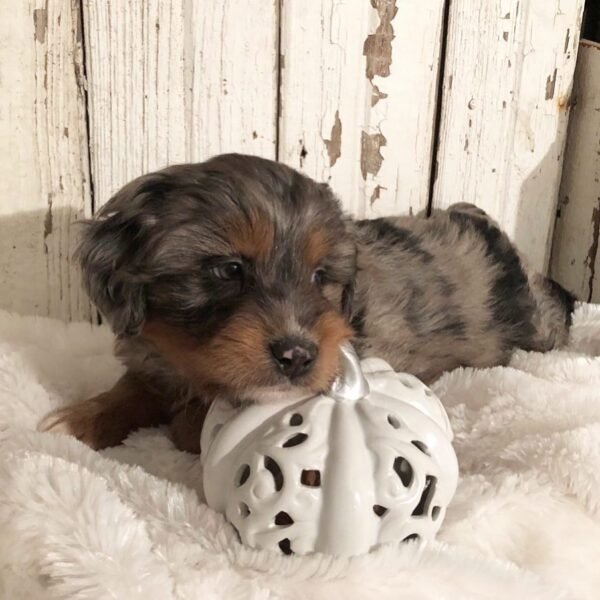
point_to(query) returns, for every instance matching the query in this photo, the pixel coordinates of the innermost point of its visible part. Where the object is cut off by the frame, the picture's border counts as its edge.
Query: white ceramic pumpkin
(340, 473)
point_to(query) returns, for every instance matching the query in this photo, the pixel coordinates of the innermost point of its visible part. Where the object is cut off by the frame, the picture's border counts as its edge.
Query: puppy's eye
(232, 270)
(319, 276)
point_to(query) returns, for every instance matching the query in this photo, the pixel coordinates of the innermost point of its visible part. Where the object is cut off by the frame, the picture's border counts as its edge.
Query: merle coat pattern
(239, 277)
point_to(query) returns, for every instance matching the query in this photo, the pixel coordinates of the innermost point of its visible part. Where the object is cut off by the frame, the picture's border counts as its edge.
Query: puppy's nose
(294, 356)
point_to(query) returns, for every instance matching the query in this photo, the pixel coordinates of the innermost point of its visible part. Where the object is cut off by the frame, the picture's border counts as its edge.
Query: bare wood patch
(593, 251)
(378, 46)
(326, 46)
(376, 194)
(334, 144)
(48, 220)
(40, 23)
(377, 95)
(551, 85)
(370, 153)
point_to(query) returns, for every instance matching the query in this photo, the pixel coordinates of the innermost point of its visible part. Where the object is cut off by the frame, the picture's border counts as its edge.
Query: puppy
(238, 278)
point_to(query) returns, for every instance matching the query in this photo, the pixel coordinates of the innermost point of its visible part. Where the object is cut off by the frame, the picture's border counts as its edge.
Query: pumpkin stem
(351, 384)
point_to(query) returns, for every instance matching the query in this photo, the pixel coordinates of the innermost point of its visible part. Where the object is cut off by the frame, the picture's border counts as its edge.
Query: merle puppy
(239, 278)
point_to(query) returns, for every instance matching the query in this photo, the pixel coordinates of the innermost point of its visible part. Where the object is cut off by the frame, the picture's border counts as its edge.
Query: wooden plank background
(358, 98)
(177, 81)
(44, 174)
(575, 254)
(508, 73)
(345, 90)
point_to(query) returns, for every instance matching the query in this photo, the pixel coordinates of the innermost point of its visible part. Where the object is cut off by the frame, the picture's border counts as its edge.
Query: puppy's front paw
(186, 426)
(56, 422)
(87, 421)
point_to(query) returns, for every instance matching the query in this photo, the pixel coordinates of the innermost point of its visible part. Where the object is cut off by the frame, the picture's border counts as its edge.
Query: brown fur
(107, 419)
(186, 424)
(316, 247)
(330, 330)
(233, 355)
(252, 237)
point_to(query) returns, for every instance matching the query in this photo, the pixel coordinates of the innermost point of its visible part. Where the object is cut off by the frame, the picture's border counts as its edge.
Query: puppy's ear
(113, 250)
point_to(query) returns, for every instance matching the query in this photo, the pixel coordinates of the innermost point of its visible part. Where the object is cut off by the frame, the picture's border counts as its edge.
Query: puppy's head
(239, 271)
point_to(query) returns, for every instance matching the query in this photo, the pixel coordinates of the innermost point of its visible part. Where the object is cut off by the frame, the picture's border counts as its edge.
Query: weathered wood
(351, 99)
(44, 174)
(575, 252)
(177, 81)
(358, 94)
(508, 74)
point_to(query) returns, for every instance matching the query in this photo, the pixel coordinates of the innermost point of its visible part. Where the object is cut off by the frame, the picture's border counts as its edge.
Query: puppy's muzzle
(294, 356)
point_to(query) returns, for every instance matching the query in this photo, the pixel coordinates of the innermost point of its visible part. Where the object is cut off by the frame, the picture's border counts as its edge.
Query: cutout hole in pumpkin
(242, 475)
(426, 497)
(275, 470)
(311, 477)
(285, 546)
(421, 446)
(435, 512)
(412, 537)
(393, 421)
(379, 510)
(244, 510)
(296, 419)
(403, 470)
(295, 440)
(283, 519)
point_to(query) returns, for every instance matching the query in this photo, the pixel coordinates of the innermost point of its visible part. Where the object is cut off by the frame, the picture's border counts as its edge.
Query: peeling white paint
(325, 74)
(347, 93)
(178, 81)
(508, 98)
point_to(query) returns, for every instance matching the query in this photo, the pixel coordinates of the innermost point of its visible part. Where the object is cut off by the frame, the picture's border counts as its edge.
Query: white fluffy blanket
(129, 523)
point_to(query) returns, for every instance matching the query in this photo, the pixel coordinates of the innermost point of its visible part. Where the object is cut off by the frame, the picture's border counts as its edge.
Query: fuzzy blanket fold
(129, 522)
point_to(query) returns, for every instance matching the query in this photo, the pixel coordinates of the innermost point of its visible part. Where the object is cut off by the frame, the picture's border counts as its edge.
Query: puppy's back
(450, 290)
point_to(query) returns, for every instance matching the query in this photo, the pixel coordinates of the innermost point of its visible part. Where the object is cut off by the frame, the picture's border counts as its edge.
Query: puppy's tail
(553, 315)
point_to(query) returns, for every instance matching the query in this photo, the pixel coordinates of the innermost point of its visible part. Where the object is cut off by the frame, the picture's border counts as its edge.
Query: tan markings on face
(238, 358)
(235, 358)
(330, 331)
(252, 237)
(316, 247)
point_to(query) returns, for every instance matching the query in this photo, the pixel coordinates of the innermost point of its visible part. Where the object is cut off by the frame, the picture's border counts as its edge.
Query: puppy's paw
(54, 422)
(186, 426)
(87, 421)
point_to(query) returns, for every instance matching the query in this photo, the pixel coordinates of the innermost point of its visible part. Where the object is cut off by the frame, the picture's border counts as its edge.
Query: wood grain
(44, 174)
(177, 81)
(575, 253)
(508, 75)
(345, 90)
(358, 94)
